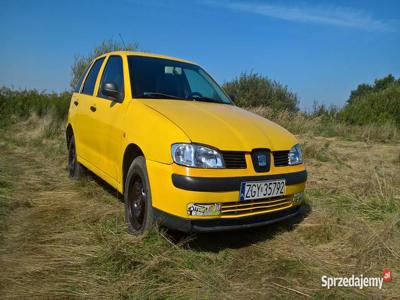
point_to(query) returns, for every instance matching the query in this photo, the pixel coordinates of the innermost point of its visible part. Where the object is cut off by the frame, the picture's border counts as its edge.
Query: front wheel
(137, 196)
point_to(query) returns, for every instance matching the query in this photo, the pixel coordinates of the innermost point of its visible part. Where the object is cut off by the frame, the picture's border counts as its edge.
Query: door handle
(93, 108)
(76, 103)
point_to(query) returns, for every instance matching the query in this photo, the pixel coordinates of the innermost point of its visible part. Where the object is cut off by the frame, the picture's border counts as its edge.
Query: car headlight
(295, 156)
(197, 156)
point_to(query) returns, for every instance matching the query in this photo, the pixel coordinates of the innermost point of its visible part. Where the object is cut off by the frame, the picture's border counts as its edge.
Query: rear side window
(113, 73)
(78, 85)
(90, 81)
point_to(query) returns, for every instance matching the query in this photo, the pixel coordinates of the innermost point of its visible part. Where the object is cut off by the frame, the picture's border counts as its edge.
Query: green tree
(361, 90)
(384, 83)
(377, 103)
(364, 89)
(81, 61)
(256, 90)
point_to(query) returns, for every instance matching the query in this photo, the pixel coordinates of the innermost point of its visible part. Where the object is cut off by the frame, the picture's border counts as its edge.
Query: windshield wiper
(207, 99)
(159, 96)
(167, 96)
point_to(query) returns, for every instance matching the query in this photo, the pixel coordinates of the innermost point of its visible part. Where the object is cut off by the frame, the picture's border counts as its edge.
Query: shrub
(374, 104)
(251, 90)
(23, 103)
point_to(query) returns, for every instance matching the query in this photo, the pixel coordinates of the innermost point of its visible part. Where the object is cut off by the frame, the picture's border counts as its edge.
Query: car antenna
(120, 36)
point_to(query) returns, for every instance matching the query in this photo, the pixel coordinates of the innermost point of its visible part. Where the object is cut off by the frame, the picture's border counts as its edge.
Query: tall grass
(23, 103)
(321, 125)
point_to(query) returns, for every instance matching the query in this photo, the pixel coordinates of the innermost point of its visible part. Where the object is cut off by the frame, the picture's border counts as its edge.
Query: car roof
(146, 54)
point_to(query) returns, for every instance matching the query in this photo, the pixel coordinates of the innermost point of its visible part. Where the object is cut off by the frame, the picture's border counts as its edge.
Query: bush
(374, 104)
(23, 103)
(252, 90)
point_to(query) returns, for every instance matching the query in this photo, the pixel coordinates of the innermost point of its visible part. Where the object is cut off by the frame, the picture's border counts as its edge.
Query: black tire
(75, 169)
(137, 197)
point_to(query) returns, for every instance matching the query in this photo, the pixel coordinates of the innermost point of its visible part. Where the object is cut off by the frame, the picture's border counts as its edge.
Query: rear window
(79, 84)
(88, 87)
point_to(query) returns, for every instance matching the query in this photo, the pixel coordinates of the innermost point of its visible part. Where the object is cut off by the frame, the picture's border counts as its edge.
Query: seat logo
(262, 159)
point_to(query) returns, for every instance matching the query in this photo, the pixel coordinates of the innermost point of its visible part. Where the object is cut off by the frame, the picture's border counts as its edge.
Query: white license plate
(262, 189)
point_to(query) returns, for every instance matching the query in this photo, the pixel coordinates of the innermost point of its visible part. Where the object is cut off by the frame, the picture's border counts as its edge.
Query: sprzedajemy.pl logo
(356, 281)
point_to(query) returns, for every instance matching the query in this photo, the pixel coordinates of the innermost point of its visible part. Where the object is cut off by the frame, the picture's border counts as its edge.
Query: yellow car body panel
(153, 125)
(225, 127)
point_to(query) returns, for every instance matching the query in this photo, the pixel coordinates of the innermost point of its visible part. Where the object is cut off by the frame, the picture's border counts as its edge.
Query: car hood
(226, 127)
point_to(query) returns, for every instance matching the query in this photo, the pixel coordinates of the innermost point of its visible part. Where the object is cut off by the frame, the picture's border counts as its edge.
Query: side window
(79, 84)
(113, 73)
(90, 81)
(199, 84)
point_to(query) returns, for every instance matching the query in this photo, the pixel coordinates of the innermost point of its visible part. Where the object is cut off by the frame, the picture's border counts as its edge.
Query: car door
(109, 117)
(75, 110)
(84, 127)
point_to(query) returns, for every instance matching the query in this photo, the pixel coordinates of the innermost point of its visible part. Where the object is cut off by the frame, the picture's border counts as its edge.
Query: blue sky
(319, 49)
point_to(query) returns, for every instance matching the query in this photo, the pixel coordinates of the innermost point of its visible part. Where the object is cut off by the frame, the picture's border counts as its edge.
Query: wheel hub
(137, 203)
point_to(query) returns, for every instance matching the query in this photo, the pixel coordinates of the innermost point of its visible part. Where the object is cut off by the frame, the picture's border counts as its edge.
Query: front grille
(234, 159)
(261, 160)
(281, 158)
(255, 206)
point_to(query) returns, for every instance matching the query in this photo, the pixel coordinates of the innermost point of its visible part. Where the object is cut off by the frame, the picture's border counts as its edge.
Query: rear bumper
(226, 224)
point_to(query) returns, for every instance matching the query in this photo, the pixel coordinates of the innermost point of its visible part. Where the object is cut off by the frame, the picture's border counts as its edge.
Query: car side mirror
(110, 89)
(232, 96)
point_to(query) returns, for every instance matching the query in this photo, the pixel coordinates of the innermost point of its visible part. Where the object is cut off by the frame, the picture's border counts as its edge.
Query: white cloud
(330, 15)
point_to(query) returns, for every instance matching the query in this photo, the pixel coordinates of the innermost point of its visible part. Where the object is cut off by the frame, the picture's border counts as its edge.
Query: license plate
(262, 189)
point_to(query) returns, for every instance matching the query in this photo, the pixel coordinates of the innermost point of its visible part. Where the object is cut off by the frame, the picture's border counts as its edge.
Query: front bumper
(225, 184)
(174, 188)
(216, 225)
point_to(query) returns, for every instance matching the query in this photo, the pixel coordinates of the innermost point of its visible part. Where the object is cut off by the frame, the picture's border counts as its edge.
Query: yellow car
(164, 134)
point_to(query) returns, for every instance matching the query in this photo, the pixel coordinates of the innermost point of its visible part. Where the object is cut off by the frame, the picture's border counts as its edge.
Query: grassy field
(67, 239)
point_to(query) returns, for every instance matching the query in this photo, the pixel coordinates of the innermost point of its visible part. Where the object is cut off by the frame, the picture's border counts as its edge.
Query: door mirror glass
(110, 89)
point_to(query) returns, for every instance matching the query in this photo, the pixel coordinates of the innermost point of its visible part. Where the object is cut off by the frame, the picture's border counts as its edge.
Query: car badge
(262, 159)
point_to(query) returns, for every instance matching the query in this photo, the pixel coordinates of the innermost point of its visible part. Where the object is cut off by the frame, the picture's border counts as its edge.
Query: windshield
(158, 78)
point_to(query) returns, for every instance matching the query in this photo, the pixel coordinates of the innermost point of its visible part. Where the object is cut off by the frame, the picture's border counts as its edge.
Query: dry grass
(301, 123)
(67, 239)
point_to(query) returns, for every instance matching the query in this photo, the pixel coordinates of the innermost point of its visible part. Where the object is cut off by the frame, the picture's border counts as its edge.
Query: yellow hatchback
(164, 134)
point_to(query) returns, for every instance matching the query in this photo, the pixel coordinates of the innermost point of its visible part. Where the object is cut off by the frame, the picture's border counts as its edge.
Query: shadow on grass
(217, 241)
(104, 185)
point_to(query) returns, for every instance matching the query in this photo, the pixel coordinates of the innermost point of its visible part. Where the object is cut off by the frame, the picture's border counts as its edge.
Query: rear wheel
(75, 169)
(137, 196)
